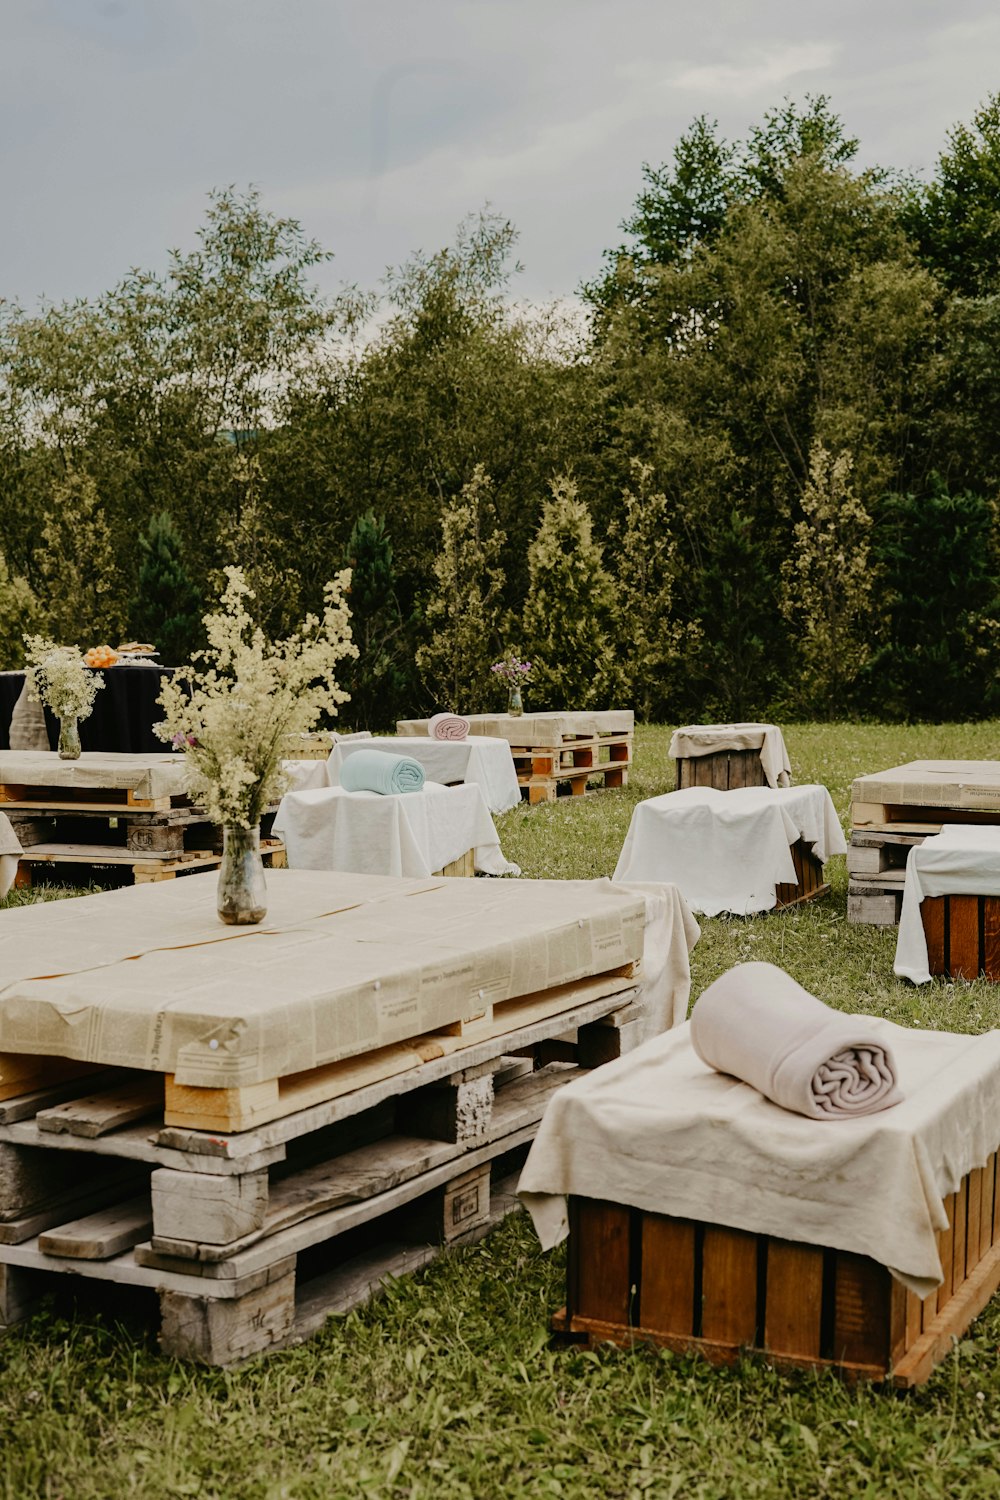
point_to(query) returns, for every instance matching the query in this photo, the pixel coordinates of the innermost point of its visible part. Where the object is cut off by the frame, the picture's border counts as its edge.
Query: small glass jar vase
(242, 894)
(515, 706)
(69, 738)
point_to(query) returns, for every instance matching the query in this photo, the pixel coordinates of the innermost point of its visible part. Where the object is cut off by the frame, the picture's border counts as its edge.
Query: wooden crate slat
(794, 1299)
(932, 915)
(603, 1286)
(963, 936)
(991, 937)
(667, 1283)
(729, 1285)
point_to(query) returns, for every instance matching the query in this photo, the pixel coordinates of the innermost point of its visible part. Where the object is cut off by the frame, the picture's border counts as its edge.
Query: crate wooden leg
(207, 1208)
(223, 1331)
(449, 1212)
(20, 1294)
(605, 1040)
(22, 876)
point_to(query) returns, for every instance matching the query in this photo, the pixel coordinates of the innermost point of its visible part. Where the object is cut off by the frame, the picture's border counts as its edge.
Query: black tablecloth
(125, 711)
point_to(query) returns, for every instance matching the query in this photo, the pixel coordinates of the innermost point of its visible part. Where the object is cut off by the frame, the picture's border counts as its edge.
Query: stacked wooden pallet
(256, 1205)
(895, 809)
(546, 772)
(150, 834)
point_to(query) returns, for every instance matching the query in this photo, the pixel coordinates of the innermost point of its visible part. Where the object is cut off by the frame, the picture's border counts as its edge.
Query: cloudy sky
(381, 123)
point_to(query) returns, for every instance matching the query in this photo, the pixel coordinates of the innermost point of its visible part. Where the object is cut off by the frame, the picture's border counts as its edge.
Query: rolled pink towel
(448, 727)
(757, 1024)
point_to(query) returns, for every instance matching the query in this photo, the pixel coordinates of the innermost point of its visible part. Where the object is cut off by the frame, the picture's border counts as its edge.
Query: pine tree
(377, 681)
(463, 612)
(827, 581)
(568, 620)
(646, 564)
(166, 610)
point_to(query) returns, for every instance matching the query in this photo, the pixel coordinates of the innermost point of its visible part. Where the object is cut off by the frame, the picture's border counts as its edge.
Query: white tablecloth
(412, 833)
(706, 739)
(304, 775)
(660, 1131)
(484, 760)
(10, 853)
(959, 861)
(727, 851)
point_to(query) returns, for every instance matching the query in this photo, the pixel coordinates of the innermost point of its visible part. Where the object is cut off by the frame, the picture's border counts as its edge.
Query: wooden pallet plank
(99, 1236)
(932, 915)
(99, 1113)
(861, 1311)
(207, 1208)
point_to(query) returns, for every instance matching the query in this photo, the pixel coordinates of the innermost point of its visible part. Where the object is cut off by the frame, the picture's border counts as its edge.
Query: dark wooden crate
(719, 1292)
(963, 936)
(809, 884)
(725, 770)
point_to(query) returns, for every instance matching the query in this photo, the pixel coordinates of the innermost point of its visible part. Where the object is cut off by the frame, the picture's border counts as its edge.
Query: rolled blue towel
(376, 771)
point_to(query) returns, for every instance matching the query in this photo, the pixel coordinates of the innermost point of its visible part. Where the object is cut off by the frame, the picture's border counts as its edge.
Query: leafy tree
(166, 610)
(569, 613)
(938, 555)
(828, 583)
(20, 615)
(380, 680)
(957, 219)
(80, 586)
(645, 566)
(463, 613)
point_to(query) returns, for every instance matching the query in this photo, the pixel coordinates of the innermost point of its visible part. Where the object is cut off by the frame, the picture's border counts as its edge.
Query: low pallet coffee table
(557, 754)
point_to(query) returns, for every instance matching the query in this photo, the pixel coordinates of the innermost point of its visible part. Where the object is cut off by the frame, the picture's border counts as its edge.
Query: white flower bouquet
(233, 714)
(58, 678)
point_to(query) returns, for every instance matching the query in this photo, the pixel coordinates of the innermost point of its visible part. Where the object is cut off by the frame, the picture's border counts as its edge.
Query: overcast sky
(381, 123)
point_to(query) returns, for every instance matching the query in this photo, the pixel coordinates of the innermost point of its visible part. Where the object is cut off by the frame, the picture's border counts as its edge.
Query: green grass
(446, 1386)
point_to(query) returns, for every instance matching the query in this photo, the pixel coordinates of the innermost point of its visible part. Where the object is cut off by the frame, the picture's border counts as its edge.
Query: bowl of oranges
(100, 656)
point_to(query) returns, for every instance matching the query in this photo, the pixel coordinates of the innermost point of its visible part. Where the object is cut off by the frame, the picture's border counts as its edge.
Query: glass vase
(69, 738)
(242, 895)
(515, 707)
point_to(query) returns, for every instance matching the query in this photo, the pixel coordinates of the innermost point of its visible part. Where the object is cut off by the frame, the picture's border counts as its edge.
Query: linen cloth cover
(728, 851)
(27, 723)
(148, 977)
(961, 860)
(486, 761)
(448, 727)
(412, 834)
(757, 1024)
(664, 976)
(694, 740)
(386, 774)
(10, 853)
(144, 774)
(303, 774)
(539, 729)
(660, 1131)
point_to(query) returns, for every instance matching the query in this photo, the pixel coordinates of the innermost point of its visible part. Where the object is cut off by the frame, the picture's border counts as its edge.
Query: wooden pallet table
(227, 1185)
(557, 754)
(895, 809)
(706, 1289)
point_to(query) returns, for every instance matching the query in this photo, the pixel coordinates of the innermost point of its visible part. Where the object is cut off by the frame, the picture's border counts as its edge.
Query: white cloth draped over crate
(961, 860)
(728, 851)
(305, 774)
(660, 1131)
(486, 761)
(694, 740)
(413, 833)
(664, 977)
(10, 853)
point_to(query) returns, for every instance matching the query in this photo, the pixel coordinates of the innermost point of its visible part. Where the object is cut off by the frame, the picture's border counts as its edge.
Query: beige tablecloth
(694, 740)
(728, 851)
(411, 833)
(10, 853)
(662, 1132)
(97, 770)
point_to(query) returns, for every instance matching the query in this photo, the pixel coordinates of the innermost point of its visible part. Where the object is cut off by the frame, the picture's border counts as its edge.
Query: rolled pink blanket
(757, 1024)
(448, 727)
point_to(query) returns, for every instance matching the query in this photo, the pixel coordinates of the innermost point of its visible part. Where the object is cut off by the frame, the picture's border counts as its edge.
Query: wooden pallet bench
(362, 1174)
(547, 772)
(90, 861)
(720, 1292)
(893, 810)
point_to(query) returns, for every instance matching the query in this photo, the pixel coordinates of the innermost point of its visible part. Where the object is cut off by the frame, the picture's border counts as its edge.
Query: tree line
(760, 477)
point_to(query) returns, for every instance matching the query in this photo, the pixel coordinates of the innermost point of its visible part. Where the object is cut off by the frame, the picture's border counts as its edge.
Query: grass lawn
(446, 1385)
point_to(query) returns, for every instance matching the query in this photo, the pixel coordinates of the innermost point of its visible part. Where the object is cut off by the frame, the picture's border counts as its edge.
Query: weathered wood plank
(729, 1285)
(794, 1299)
(100, 1113)
(101, 1235)
(667, 1282)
